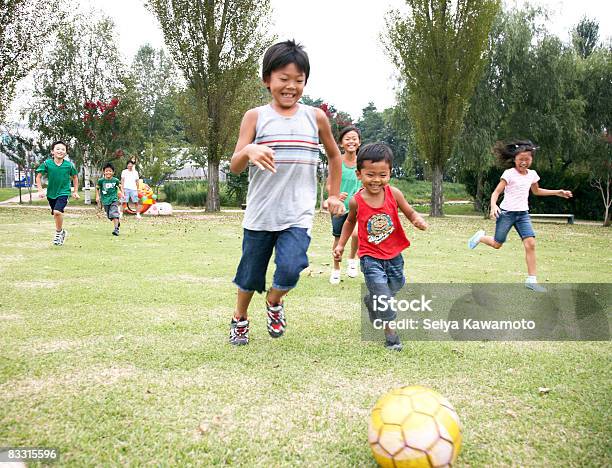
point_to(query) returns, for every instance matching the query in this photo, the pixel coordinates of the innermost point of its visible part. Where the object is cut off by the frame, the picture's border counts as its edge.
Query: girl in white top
(515, 183)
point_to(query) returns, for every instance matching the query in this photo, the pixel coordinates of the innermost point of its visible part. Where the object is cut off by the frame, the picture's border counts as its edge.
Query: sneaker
(116, 232)
(57, 239)
(239, 332)
(334, 278)
(138, 216)
(276, 320)
(475, 239)
(535, 287)
(63, 235)
(393, 342)
(352, 270)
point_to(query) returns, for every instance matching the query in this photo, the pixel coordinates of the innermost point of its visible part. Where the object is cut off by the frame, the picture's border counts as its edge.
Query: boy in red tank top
(381, 236)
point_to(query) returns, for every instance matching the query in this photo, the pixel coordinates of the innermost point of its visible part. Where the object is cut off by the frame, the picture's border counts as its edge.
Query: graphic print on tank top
(380, 227)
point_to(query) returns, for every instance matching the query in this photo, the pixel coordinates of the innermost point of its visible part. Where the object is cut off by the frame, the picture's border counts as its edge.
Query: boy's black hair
(350, 128)
(58, 142)
(374, 152)
(107, 165)
(505, 151)
(284, 53)
(131, 161)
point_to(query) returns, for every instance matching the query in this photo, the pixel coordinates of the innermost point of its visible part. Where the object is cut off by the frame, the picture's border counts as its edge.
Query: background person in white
(129, 186)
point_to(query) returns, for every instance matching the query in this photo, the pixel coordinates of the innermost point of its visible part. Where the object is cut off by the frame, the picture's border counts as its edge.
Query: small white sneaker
(351, 270)
(138, 216)
(335, 277)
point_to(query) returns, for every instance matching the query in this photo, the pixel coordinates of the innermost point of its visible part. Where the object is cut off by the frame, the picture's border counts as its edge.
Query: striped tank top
(287, 198)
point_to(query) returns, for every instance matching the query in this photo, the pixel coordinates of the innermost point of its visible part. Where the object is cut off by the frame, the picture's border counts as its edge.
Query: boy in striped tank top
(279, 143)
(381, 236)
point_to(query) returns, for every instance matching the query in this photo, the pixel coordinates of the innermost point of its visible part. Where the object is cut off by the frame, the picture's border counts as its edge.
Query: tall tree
(216, 44)
(25, 26)
(585, 36)
(439, 52)
(81, 78)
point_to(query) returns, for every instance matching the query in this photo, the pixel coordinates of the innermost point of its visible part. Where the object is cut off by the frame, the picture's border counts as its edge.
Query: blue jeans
(382, 278)
(290, 247)
(519, 219)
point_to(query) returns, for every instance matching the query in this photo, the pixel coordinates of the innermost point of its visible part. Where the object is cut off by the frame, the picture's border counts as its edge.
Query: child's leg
(58, 216)
(491, 242)
(116, 222)
(337, 223)
(530, 255)
(336, 262)
(290, 259)
(242, 304)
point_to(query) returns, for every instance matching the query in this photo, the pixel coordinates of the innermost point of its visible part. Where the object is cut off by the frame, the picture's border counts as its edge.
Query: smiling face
(350, 142)
(523, 160)
(286, 84)
(374, 176)
(108, 172)
(59, 151)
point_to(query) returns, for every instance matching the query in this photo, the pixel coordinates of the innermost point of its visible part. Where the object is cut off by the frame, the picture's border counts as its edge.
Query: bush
(194, 193)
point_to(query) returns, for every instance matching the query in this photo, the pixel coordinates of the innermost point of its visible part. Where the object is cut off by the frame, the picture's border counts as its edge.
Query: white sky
(348, 64)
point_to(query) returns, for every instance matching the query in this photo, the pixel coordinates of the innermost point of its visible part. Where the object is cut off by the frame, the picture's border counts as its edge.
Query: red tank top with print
(381, 234)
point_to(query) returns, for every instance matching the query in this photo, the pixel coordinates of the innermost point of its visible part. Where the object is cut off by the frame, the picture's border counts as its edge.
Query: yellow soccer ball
(414, 427)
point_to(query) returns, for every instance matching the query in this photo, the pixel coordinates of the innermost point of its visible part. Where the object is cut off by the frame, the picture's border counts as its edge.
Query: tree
(585, 36)
(159, 160)
(439, 52)
(26, 153)
(83, 68)
(25, 26)
(216, 44)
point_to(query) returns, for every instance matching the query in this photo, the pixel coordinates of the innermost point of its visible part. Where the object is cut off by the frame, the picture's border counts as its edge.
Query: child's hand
(494, 211)
(420, 223)
(565, 194)
(98, 203)
(41, 193)
(262, 156)
(337, 253)
(75, 195)
(335, 206)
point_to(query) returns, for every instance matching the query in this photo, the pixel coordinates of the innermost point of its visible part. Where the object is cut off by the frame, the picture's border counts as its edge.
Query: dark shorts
(337, 223)
(290, 257)
(58, 204)
(383, 278)
(519, 219)
(112, 210)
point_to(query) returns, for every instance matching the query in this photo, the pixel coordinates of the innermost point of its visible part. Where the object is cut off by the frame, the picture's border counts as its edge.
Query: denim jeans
(382, 278)
(290, 246)
(519, 219)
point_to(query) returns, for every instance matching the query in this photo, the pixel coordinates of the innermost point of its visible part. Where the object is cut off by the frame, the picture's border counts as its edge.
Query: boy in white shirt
(129, 186)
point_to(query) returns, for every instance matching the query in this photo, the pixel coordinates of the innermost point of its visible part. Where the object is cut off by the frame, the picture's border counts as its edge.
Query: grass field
(8, 192)
(114, 350)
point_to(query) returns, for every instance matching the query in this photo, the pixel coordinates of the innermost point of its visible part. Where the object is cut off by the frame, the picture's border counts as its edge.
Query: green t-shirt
(108, 189)
(58, 177)
(350, 183)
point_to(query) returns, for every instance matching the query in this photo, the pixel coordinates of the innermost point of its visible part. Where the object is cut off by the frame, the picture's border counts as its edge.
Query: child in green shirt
(107, 195)
(59, 172)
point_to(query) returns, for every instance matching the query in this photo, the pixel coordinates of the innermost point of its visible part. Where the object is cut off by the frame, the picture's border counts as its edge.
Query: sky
(349, 67)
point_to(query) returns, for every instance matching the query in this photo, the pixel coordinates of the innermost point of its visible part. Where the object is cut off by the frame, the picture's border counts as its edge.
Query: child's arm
(334, 205)
(261, 155)
(494, 196)
(98, 195)
(415, 218)
(536, 190)
(347, 230)
(41, 194)
(75, 182)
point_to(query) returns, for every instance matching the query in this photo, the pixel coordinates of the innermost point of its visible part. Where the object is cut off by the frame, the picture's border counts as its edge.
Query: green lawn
(9, 192)
(114, 350)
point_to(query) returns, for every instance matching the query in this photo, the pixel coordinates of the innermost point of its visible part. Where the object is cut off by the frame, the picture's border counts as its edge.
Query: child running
(279, 144)
(107, 195)
(59, 172)
(381, 235)
(516, 181)
(350, 139)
